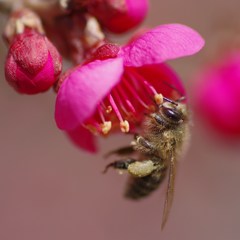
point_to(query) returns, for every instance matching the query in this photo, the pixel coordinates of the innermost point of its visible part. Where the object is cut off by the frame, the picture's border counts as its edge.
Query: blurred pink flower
(119, 84)
(118, 16)
(217, 94)
(33, 63)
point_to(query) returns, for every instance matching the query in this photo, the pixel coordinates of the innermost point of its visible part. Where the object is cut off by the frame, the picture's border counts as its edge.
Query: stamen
(128, 102)
(147, 94)
(106, 127)
(153, 90)
(158, 98)
(115, 108)
(109, 109)
(135, 94)
(124, 126)
(93, 127)
(101, 114)
(118, 98)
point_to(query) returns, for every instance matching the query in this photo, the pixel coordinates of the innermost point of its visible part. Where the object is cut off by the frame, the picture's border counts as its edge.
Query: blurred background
(52, 190)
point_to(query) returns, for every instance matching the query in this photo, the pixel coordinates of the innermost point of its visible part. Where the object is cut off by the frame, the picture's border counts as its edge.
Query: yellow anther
(109, 109)
(124, 126)
(158, 98)
(106, 127)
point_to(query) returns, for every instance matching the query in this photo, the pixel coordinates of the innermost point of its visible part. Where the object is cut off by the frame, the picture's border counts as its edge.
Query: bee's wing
(170, 190)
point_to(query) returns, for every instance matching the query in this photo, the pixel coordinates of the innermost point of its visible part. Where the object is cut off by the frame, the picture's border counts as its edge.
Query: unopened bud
(19, 21)
(33, 64)
(118, 16)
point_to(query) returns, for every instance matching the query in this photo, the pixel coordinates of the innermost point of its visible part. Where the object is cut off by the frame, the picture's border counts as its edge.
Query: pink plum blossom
(115, 88)
(217, 94)
(118, 16)
(33, 64)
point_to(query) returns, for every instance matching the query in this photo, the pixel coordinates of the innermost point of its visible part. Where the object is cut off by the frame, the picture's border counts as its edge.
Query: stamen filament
(118, 98)
(115, 108)
(124, 125)
(158, 97)
(145, 94)
(101, 113)
(132, 90)
(128, 102)
(105, 126)
(107, 109)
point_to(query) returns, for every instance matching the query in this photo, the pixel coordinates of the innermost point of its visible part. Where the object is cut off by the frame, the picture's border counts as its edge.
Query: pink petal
(83, 139)
(162, 43)
(83, 89)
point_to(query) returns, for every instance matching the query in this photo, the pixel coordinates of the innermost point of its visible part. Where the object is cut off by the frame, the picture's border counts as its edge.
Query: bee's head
(175, 112)
(170, 113)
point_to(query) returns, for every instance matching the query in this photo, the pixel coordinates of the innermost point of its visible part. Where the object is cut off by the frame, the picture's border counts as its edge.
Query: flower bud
(33, 64)
(75, 35)
(217, 95)
(18, 21)
(118, 16)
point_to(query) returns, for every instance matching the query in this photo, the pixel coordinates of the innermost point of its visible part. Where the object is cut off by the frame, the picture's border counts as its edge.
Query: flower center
(125, 106)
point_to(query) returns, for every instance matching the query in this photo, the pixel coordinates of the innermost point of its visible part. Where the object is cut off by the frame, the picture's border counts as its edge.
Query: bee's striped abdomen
(141, 187)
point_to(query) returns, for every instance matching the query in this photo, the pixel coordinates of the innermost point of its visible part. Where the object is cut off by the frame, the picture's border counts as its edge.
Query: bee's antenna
(175, 102)
(180, 99)
(171, 101)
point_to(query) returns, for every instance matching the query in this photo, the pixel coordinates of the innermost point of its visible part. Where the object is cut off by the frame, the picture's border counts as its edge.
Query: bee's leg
(134, 167)
(142, 144)
(120, 164)
(121, 151)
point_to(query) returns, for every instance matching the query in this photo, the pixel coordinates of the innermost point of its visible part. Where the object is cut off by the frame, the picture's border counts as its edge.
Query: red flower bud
(217, 95)
(118, 16)
(20, 20)
(33, 64)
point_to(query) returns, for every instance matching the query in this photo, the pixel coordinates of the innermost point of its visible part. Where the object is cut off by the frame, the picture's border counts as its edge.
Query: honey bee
(152, 155)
